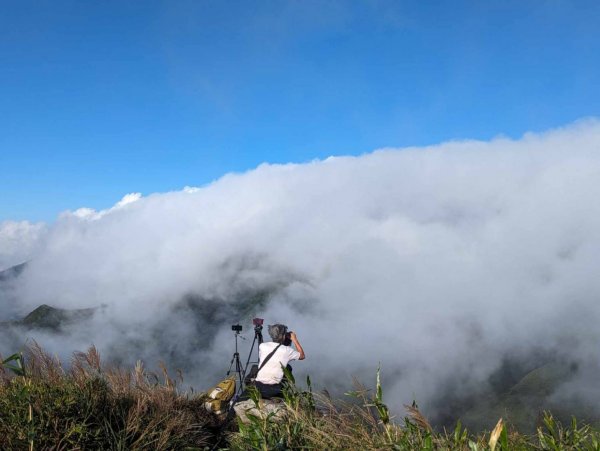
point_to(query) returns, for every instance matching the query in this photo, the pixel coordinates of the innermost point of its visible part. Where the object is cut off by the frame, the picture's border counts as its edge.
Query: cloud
(18, 241)
(434, 261)
(91, 214)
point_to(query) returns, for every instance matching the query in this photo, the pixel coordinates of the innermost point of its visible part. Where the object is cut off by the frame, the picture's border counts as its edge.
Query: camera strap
(267, 358)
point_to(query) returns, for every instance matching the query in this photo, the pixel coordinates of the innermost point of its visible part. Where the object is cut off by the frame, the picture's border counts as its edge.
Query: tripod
(239, 369)
(257, 338)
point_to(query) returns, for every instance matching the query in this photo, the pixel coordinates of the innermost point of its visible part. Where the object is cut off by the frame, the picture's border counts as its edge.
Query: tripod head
(258, 327)
(258, 334)
(237, 328)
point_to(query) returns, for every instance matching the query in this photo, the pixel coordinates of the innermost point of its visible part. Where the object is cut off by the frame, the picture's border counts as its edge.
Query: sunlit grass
(94, 407)
(88, 406)
(315, 422)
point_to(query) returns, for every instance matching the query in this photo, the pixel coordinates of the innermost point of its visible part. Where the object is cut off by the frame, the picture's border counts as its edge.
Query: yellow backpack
(220, 395)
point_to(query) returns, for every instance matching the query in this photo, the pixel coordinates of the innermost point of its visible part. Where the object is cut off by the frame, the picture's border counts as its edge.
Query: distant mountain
(12, 272)
(51, 318)
(523, 386)
(523, 404)
(199, 321)
(43, 317)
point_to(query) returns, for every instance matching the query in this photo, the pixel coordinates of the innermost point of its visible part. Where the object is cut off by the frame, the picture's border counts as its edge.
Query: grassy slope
(91, 406)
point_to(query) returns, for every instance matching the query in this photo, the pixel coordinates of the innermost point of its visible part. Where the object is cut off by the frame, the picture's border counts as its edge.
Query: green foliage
(90, 407)
(554, 436)
(273, 433)
(93, 407)
(17, 366)
(315, 423)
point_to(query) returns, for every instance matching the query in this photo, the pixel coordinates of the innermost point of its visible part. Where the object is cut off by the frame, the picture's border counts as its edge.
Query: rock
(275, 409)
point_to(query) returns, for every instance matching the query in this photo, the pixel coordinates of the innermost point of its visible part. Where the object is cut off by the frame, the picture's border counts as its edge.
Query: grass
(43, 406)
(316, 422)
(93, 407)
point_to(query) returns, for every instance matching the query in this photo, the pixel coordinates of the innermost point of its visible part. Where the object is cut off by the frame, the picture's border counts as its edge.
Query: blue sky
(99, 99)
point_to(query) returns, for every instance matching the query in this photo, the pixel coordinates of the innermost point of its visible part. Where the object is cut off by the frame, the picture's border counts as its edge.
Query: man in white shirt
(277, 355)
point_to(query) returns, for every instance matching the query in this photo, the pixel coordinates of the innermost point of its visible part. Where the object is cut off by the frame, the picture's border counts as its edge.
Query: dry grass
(315, 422)
(90, 406)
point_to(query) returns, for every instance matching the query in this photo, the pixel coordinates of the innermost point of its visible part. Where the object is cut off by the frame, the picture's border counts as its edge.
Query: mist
(18, 241)
(435, 262)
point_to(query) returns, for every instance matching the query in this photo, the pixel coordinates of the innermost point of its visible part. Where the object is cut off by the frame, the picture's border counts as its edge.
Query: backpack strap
(268, 357)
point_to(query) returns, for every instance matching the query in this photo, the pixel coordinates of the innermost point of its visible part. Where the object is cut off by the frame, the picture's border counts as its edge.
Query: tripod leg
(250, 353)
(240, 371)
(231, 365)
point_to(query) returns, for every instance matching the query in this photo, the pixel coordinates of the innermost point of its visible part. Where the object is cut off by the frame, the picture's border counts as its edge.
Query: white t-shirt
(272, 373)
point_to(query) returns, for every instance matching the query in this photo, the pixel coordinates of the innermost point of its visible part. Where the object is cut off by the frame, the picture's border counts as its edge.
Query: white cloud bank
(18, 241)
(433, 261)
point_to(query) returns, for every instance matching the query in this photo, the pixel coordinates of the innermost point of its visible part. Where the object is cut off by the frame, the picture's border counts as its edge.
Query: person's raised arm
(298, 345)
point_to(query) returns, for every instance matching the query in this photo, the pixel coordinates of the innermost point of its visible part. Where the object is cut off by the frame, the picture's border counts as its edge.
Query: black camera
(287, 341)
(236, 327)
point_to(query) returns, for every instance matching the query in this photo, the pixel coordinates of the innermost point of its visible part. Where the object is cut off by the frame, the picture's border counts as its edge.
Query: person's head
(278, 332)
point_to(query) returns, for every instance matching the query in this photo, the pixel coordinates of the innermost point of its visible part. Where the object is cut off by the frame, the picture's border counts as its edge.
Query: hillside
(51, 318)
(12, 272)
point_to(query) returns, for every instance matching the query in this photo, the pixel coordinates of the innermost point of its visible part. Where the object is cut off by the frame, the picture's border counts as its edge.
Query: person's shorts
(268, 391)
